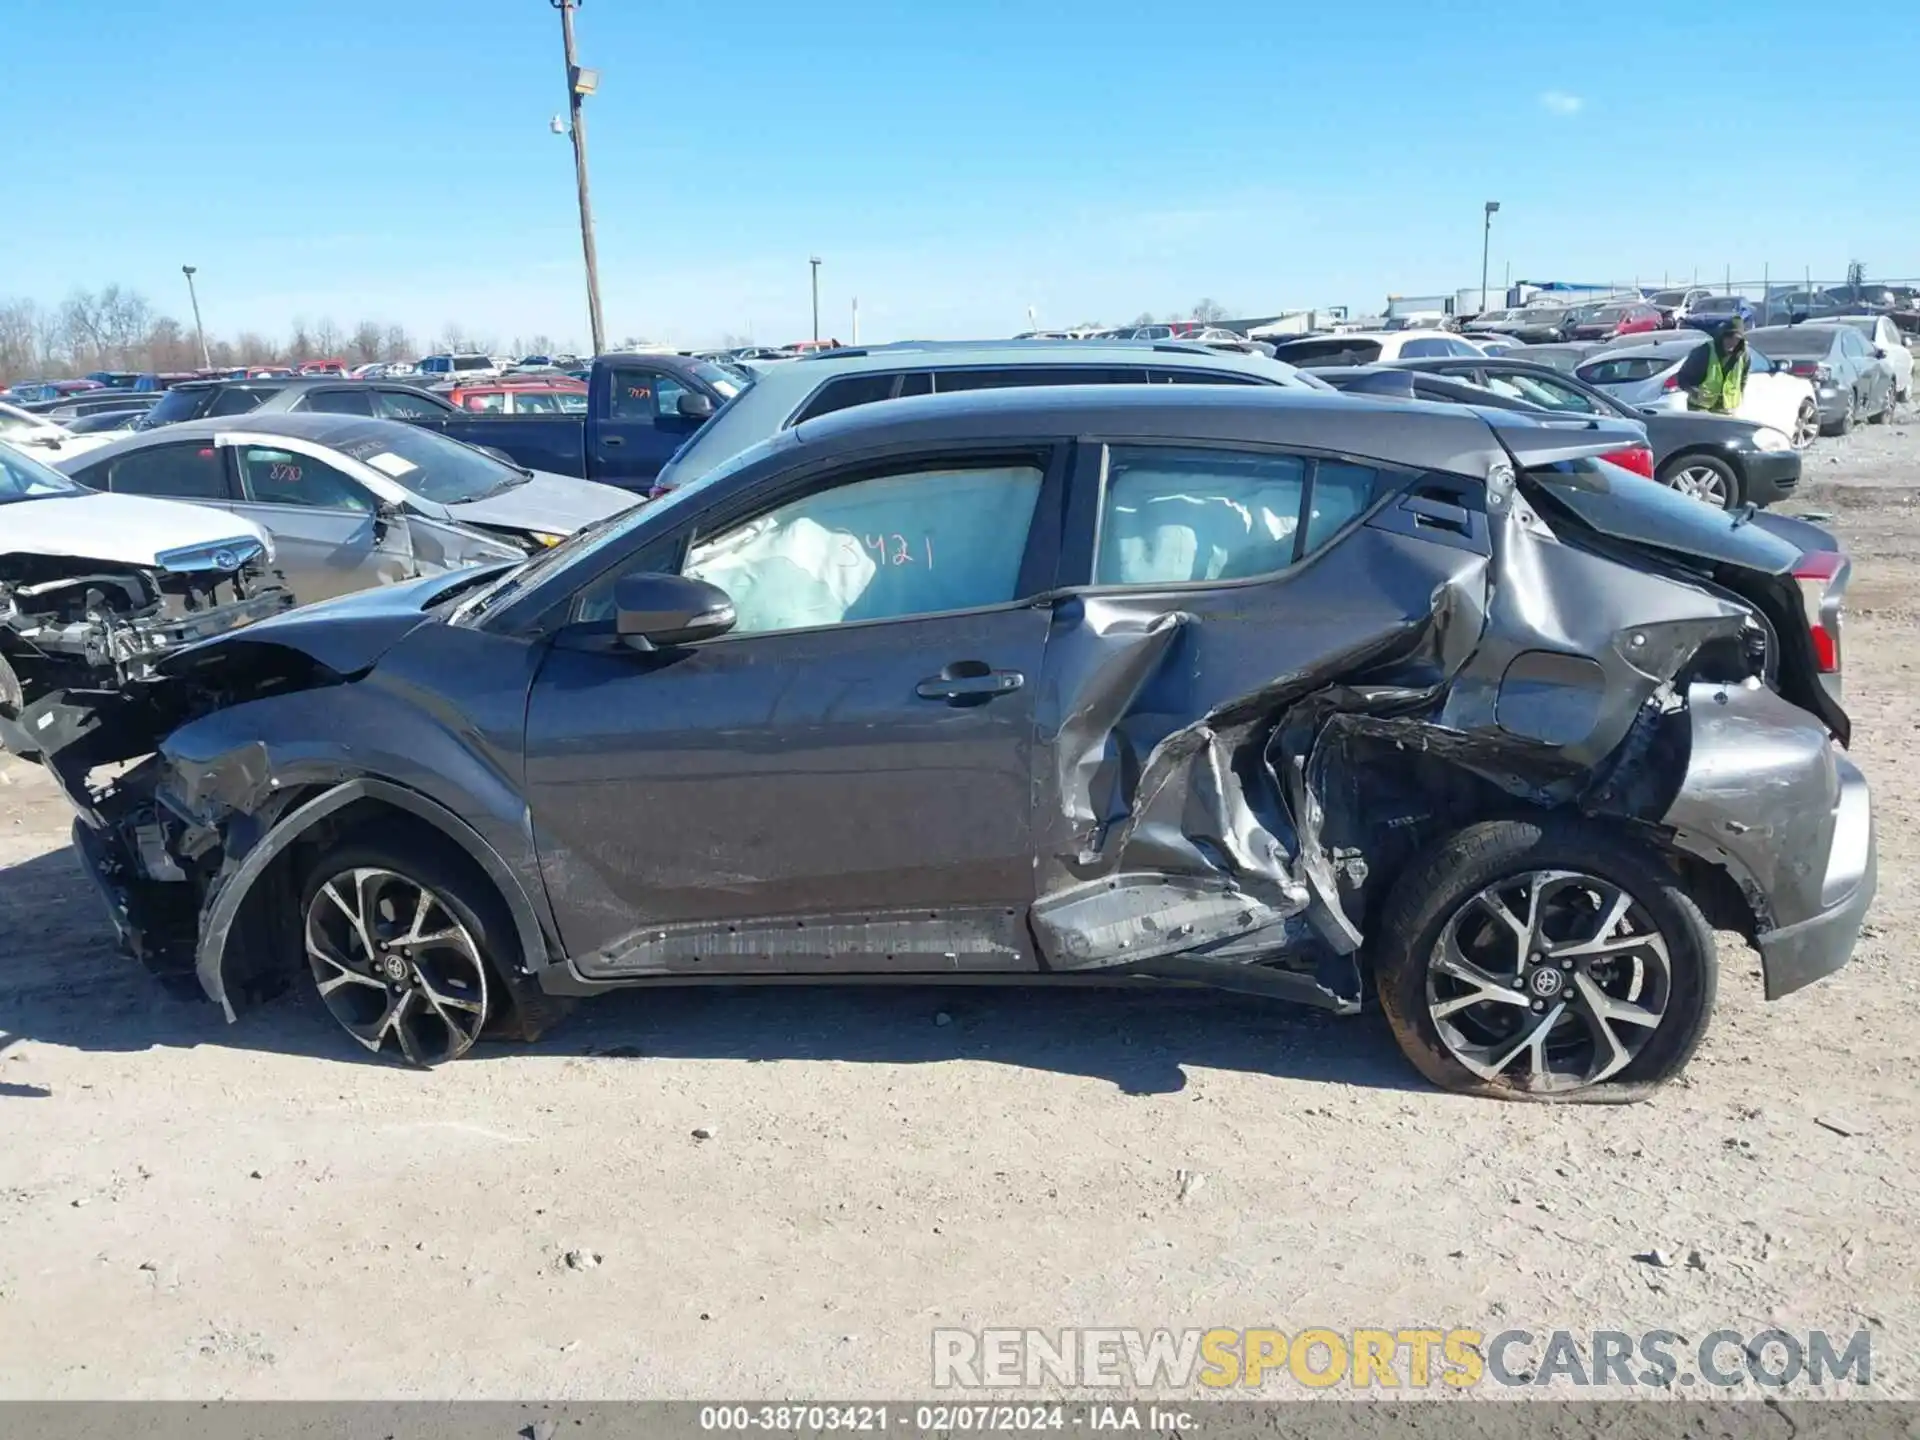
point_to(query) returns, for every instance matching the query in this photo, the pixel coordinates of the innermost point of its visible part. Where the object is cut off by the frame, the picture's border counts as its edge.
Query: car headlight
(543, 538)
(1766, 438)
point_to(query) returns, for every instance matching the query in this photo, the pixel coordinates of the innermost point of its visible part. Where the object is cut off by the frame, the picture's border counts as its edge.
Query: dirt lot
(190, 1209)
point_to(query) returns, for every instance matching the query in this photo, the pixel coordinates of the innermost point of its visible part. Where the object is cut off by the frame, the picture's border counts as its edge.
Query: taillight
(1672, 382)
(1815, 574)
(1637, 458)
(1804, 368)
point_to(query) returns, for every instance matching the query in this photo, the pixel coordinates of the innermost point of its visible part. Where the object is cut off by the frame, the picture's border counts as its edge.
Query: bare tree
(125, 319)
(1209, 312)
(396, 345)
(253, 348)
(301, 346)
(83, 335)
(327, 339)
(1145, 317)
(364, 346)
(21, 329)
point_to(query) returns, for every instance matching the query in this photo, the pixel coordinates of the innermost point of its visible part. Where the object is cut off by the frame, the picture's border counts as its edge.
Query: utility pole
(580, 84)
(856, 320)
(205, 358)
(1486, 240)
(814, 261)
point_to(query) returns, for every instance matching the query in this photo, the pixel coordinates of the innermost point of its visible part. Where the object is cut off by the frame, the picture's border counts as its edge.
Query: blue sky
(952, 164)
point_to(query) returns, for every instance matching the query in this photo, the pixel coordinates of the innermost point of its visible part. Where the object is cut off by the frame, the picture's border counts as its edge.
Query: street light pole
(580, 84)
(815, 263)
(199, 329)
(1486, 240)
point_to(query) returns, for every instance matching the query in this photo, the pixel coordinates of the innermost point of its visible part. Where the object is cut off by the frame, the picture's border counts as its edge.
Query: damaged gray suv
(1291, 693)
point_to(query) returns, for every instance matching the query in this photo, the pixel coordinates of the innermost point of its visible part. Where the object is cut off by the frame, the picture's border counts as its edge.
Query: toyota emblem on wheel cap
(1545, 983)
(226, 560)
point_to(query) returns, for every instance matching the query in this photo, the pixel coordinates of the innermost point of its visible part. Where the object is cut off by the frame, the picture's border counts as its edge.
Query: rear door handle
(969, 688)
(1438, 514)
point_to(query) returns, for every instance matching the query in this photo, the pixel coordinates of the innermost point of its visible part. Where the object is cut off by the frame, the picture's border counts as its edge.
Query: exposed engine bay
(69, 622)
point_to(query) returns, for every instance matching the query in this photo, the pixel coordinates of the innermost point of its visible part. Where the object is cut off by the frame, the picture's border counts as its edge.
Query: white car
(41, 437)
(1370, 347)
(1888, 344)
(1646, 376)
(97, 589)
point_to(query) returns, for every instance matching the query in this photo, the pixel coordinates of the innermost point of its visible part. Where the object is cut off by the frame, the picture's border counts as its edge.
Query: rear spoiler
(1539, 440)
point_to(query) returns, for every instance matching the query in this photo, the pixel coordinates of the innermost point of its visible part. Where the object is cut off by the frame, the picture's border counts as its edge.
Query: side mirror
(1798, 317)
(1880, 352)
(652, 610)
(694, 406)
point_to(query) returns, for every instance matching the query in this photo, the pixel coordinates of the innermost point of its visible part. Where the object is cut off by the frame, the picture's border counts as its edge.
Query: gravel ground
(189, 1209)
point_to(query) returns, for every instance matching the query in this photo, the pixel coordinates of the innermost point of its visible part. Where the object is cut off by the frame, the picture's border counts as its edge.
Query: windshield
(178, 404)
(725, 380)
(428, 465)
(1610, 313)
(472, 362)
(1717, 305)
(1666, 298)
(24, 479)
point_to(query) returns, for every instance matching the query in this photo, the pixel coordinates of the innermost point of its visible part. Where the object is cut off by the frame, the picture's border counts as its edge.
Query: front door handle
(969, 683)
(611, 440)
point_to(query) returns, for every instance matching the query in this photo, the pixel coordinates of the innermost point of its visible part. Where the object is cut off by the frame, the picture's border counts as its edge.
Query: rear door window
(1009, 376)
(337, 402)
(189, 471)
(1622, 372)
(238, 401)
(846, 392)
(400, 405)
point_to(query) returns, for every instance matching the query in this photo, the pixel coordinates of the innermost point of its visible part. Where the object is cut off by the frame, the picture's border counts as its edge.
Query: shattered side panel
(1159, 825)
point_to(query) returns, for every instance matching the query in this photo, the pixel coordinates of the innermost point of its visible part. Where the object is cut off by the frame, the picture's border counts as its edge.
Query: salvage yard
(783, 1192)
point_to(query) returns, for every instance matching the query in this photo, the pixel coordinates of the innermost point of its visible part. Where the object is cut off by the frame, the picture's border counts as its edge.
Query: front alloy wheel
(394, 964)
(1551, 980)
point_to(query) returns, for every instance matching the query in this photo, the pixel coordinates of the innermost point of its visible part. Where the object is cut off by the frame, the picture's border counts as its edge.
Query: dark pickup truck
(640, 409)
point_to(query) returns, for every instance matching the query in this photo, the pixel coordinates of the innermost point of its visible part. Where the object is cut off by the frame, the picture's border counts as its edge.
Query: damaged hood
(553, 504)
(120, 529)
(347, 635)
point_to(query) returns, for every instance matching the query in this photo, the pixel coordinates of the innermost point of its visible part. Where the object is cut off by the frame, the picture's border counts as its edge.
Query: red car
(1610, 322)
(323, 367)
(521, 397)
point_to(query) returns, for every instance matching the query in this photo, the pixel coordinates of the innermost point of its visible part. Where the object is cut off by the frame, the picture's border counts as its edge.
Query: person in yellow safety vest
(1715, 374)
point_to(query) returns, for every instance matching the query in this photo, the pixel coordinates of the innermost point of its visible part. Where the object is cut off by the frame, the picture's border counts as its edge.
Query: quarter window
(634, 394)
(847, 392)
(1172, 516)
(880, 548)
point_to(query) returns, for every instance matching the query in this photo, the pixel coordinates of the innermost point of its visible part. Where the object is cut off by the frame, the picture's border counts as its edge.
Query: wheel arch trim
(226, 899)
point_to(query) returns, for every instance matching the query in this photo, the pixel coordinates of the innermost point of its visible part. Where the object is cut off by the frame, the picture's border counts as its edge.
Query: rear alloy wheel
(1845, 422)
(397, 953)
(1885, 412)
(1703, 478)
(11, 699)
(1545, 962)
(1806, 425)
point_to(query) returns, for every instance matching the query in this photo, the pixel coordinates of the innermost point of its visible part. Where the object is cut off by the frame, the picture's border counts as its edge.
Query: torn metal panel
(1166, 830)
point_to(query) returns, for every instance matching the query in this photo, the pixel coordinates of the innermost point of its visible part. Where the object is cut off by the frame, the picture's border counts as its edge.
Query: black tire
(1444, 884)
(423, 858)
(1725, 479)
(1885, 413)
